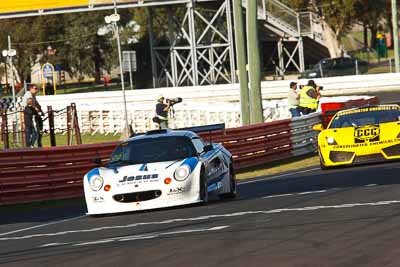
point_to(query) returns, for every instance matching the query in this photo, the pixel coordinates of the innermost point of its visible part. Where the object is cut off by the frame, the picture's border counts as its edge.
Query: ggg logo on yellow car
(369, 132)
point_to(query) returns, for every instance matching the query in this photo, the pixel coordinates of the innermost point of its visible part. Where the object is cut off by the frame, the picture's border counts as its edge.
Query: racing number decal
(368, 133)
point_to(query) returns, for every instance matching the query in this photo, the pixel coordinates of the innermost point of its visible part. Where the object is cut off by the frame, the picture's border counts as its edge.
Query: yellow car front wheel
(321, 161)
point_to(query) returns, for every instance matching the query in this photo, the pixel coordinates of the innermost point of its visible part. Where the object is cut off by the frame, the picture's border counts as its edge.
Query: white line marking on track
(296, 194)
(150, 236)
(137, 237)
(312, 192)
(282, 195)
(207, 217)
(54, 244)
(278, 176)
(41, 225)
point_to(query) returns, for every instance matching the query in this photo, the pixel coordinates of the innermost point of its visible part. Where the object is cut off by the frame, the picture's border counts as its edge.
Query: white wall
(103, 111)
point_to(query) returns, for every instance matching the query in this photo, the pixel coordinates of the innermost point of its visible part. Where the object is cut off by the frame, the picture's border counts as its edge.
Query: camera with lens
(320, 87)
(174, 101)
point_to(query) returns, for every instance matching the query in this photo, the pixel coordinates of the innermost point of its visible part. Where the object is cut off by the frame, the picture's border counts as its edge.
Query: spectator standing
(162, 112)
(29, 122)
(31, 93)
(293, 100)
(309, 98)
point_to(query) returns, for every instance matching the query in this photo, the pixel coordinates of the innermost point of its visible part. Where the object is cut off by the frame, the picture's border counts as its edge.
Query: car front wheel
(232, 185)
(203, 188)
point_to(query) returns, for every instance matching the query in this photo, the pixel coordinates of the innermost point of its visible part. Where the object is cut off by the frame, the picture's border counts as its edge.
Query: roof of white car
(162, 133)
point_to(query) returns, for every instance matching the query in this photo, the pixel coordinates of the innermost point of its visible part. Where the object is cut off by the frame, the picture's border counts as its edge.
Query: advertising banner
(25, 6)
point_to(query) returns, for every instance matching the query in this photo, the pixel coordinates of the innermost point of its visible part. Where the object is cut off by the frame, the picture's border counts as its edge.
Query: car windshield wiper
(119, 162)
(114, 164)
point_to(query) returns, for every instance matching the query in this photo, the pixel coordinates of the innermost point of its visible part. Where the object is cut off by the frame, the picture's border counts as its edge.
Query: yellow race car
(360, 135)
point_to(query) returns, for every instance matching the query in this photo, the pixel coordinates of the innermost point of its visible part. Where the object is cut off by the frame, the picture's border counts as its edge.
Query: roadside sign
(129, 61)
(47, 71)
(48, 74)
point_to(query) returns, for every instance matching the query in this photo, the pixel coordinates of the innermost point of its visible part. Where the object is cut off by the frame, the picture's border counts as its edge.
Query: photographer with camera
(309, 98)
(162, 112)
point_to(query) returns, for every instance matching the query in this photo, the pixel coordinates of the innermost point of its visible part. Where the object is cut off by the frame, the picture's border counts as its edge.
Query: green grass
(277, 167)
(380, 69)
(77, 88)
(354, 44)
(91, 88)
(371, 57)
(354, 41)
(62, 140)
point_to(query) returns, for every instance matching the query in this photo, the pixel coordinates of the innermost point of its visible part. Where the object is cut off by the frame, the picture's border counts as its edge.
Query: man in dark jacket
(31, 93)
(29, 121)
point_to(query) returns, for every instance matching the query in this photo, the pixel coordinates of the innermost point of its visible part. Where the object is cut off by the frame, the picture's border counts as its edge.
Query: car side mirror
(97, 161)
(207, 148)
(318, 127)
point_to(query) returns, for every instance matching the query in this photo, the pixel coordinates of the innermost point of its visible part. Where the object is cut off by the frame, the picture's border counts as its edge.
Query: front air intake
(137, 196)
(369, 158)
(340, 156)
(392, 150)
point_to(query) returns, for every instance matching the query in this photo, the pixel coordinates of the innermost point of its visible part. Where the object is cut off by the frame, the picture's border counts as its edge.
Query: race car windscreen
(365, 116)
(153, 150)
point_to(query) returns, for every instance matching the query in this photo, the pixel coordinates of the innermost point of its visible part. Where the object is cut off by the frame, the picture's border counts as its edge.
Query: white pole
(121, 71)
(395, 23)
(130, 69)
(356, 67)
(13, 85)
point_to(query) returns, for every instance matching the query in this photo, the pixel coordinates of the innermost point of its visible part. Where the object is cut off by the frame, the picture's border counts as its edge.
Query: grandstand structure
(198, 45)
(198, 48)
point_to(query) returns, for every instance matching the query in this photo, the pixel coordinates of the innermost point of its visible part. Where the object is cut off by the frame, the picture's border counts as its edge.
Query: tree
(80, 50)
(337, 19)
(21, 38)
(371, 15)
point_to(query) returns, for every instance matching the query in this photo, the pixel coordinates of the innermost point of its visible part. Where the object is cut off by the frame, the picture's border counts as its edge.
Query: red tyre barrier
(255, 144)
(28, 175)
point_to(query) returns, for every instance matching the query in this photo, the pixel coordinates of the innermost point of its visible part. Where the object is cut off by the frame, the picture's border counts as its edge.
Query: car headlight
(182, 173)
(331, 140)
(96, 183)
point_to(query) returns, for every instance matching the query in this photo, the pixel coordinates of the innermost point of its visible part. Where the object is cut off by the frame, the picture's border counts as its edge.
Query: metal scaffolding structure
(290, 55)
(291, 28)
(197, 45)
(197, 48)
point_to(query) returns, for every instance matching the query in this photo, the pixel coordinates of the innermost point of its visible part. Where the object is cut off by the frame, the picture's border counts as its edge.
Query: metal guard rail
(28, 175)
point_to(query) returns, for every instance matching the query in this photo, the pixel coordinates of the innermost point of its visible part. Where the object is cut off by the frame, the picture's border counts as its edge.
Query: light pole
(253, 55)
(10, 53)
(395, 35)
(112, 20)
(6, 72)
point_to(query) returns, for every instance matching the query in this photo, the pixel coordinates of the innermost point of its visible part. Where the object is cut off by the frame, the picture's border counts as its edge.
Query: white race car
(159, 169)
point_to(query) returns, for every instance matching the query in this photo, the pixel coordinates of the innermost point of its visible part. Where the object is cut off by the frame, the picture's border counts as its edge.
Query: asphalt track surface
(341, 217)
